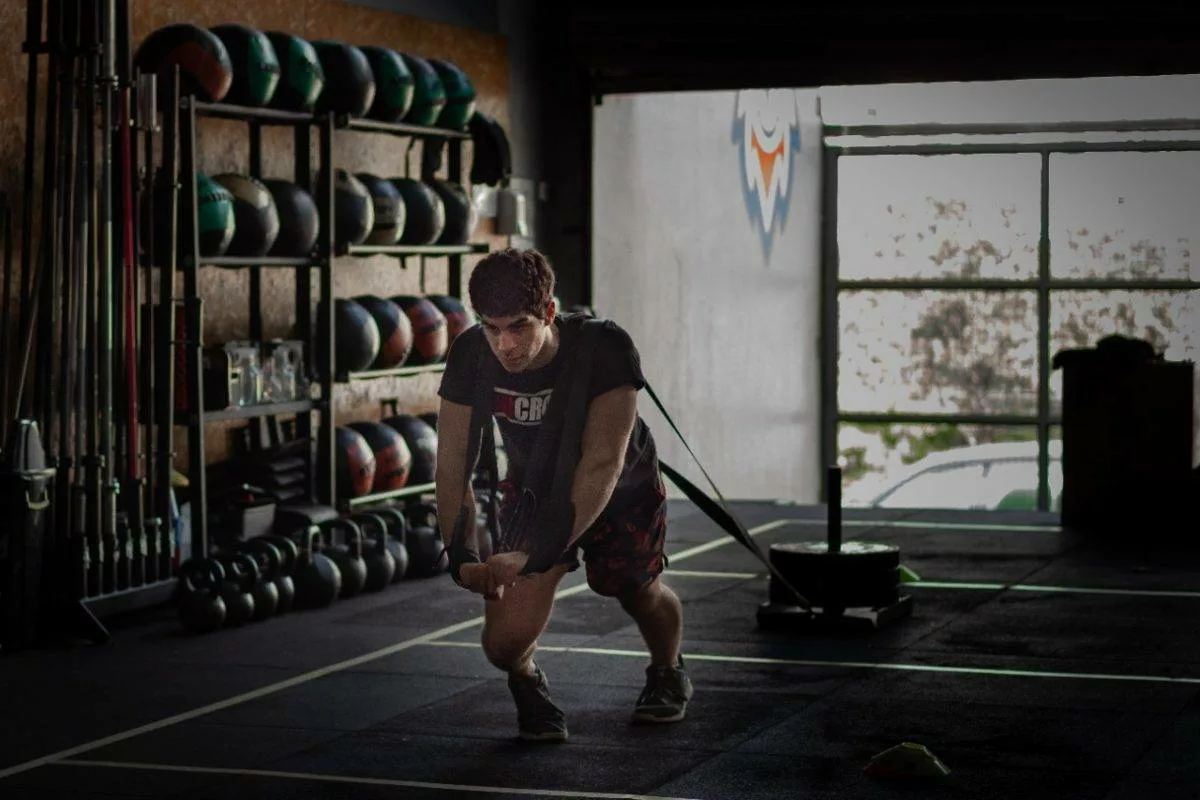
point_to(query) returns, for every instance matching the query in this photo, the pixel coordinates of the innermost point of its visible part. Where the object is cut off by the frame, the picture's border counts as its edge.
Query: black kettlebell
(381, 566)
(198, 595)
(397, 535)
(346, 550)
(318, 579)
(288, 552)
(237, 590)
(426, 551)
(266, 593)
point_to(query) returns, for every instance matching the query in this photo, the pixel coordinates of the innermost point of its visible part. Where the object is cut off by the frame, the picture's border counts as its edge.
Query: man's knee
(505, 649)
(639, 596)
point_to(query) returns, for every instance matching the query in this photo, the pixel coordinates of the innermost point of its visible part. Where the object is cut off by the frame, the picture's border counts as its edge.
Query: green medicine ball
(214, 216)
(393, 84)
(429, 96)
(301, 78)
(255, 65)
(460, 96)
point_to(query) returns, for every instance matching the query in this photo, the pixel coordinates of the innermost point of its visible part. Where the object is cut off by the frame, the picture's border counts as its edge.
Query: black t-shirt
(520, 399)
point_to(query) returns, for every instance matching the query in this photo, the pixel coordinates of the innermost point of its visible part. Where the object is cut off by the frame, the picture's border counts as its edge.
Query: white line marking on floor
(968, 585)
(969, 527)
(322, 671)
(310, 776)
(882, 665)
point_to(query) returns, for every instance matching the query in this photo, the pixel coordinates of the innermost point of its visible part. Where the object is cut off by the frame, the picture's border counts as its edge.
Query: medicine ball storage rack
(322, 484)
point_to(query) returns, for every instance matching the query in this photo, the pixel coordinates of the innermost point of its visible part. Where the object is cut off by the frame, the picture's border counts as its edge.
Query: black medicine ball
(389, 209)
(255, 217)
(461, 216)
(354, 463)
(353, 210)
(299, 222)
(429, 95)
(205, 69)
(349, 83)
(301, 78)
(255, 65)
(393, 84)
(357, 337)
(422, 442)
(395, 331)
(458, 316)
(425, 213)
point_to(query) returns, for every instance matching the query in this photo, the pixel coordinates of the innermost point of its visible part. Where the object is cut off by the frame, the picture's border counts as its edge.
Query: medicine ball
(431, 338)
(430, 418)
(424, 212)
(388, 207)
(460, 95)
(255, 65)
(353, 210)
(349, 83)
(458, 316)
(357, 337)
(215, 219)
(393, 84)
(204, 66)
(301, 77)
(422, 442)
(461, 216)
(429, 96)
(354, 463)
(299, 221)
(395, 331)
(255, 217)
(393, 460)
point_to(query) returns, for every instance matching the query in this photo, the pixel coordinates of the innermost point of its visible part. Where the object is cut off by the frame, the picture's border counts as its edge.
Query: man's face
(518, 340)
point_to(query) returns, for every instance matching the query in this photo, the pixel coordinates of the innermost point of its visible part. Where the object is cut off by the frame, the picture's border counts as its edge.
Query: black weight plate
(867, 554)
(869, 588)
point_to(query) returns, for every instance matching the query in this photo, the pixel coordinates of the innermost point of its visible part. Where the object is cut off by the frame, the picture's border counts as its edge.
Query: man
(618, 493)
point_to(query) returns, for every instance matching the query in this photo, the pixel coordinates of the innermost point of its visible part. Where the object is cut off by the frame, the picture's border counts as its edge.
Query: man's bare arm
(454, 496)
(610, 422)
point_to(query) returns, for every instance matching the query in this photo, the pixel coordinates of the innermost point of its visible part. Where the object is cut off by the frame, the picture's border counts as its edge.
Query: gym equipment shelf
(260, 261)
(416, 250)
(408, 491)
(321, 434)
(269, 116)
(398, 129)
(396, 372)
(260, 410)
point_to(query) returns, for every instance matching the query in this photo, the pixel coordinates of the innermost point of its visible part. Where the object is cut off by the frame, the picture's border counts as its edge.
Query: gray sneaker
(538, 719)
(666, 695)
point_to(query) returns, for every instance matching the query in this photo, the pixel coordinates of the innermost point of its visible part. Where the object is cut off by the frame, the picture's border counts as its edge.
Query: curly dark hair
(512, 282)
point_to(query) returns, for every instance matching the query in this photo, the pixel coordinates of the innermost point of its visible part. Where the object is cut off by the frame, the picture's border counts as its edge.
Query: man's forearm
(593, 488)
(453, 502)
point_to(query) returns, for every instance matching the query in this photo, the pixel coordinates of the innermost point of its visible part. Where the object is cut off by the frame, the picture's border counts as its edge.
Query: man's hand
(478, 578)
(505, 567)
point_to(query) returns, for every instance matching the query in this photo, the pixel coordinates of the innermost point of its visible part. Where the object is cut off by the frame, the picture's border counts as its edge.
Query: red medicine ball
(431, 337)
(395, 331)
(393, 460)
(458, 316)
(355, 463)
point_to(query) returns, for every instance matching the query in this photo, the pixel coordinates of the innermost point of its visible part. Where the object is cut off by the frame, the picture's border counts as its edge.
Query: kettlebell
(318, 579)
(237, 590)
(397, 535)
(426, 551)
(198, 595)
(283, 581)
(346, 550)
(266, 592)
(381, 566)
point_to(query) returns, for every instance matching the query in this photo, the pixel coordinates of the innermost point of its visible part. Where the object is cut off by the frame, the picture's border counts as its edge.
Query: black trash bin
(26, 486)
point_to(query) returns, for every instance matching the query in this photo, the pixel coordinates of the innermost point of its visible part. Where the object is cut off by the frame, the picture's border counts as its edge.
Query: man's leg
(511, 629)
(659, 616)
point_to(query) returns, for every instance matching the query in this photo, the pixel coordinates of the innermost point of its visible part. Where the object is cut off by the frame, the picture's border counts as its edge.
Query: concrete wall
(725, 313)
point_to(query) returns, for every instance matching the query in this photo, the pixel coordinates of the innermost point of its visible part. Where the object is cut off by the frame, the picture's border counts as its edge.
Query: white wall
(726, 317)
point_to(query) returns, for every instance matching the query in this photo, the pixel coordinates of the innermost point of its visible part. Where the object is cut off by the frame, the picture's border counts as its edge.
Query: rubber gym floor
(1037, 663)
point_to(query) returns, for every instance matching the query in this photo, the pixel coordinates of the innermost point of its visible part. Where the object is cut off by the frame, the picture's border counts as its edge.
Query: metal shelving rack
(322, 437)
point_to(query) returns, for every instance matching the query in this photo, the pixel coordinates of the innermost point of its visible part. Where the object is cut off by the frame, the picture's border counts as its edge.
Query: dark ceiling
(644, 46)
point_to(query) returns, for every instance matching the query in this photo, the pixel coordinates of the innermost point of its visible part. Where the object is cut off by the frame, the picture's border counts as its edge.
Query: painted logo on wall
(766, 131)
